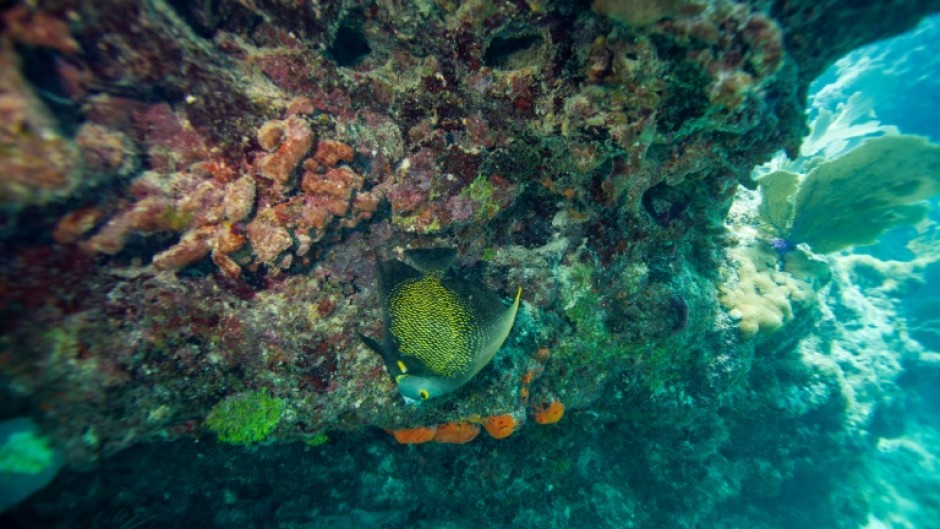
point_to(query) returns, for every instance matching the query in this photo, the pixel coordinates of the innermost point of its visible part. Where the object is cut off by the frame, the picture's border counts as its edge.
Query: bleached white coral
(758, 295)
(832, 134)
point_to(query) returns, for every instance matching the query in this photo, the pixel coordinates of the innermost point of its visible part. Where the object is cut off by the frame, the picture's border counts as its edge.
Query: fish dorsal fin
(393, 273)
(432, 261)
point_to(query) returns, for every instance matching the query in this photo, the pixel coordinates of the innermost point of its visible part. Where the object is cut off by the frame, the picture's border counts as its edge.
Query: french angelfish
(440, 331)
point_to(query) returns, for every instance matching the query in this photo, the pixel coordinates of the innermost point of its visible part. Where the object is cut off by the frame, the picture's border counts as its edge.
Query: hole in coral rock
(140, 249)
(528, 219)
(40, 68)
(200, 15)
(664, 204)
(511, 52)
(349, 46)
(201, 268)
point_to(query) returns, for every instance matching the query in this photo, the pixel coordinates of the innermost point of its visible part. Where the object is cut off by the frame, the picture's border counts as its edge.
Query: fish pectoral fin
(372, 344)
(390, 365)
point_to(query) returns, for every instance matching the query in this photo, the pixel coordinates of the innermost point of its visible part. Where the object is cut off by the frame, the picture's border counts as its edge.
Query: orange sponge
(549, 413)
(500, 426)
(412, 436)
(456, 432)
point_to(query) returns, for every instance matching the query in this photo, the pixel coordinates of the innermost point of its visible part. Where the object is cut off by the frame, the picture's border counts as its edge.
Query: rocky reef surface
(193, 193)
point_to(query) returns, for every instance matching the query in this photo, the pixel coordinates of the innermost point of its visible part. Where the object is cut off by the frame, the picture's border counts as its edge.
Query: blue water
(899, 76)
(900, 80)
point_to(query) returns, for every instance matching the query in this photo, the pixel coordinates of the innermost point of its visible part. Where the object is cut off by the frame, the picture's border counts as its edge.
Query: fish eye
(423, 393)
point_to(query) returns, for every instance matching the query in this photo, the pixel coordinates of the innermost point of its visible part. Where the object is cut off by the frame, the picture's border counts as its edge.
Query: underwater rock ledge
(192, 195)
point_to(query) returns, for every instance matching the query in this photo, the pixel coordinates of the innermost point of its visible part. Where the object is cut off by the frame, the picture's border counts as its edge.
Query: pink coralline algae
(106, 152)
(168, 137)
(291, 138)
(248, 220)
(39, 29)
(329, 191)
(152, 214)
(330, 153)
(239, 199)
(268, 238)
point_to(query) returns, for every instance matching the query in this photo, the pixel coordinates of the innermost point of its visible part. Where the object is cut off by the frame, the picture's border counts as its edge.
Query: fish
(439, 330)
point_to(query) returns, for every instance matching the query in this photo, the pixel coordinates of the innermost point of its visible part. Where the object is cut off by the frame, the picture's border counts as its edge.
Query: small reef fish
(440, 331)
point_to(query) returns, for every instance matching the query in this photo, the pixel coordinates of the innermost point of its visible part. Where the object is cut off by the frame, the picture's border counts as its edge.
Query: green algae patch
(481, 191)
(317, 440)
(25, 453)
(417, 224)
(245, 418)
(581, 302)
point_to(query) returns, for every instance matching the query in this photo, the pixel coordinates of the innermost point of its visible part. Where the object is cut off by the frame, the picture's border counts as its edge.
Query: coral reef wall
(192, 195)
